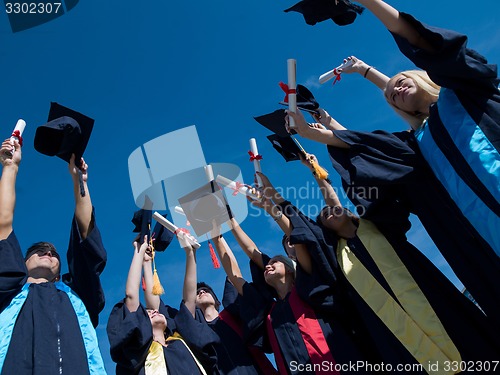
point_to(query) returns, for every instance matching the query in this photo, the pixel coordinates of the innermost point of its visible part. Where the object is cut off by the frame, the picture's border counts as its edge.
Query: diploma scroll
(237, 187)
(255, 158)
(209, 172)
(16, 135)
(292, 87)
(176, 230)
(325, 77)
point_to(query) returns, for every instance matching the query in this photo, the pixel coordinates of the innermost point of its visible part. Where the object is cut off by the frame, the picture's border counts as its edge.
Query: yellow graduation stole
(414, 322)
(155, 361)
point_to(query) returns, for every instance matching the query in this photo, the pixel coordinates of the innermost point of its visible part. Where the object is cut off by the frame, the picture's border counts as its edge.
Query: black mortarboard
(286, 146)
(204, 205)
(305, 98)
(314, 11)
(162, 237)
(66, 132)
(274, 121)
(142, 221)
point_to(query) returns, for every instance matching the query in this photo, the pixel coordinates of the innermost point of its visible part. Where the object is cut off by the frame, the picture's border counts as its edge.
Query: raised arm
(83, 205)
(229, 263)
(390, 17)
(189, 289)
(329, 195)
(152, 300)
(247, 244)
(134, 276)
(10, 167)
(376, 77)
(317, 132)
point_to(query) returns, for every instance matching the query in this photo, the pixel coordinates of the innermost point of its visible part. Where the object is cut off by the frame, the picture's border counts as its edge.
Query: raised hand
(14, 148)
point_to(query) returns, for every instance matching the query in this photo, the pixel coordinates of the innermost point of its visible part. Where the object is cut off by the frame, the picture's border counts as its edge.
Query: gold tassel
(319, 171)
(157, 287)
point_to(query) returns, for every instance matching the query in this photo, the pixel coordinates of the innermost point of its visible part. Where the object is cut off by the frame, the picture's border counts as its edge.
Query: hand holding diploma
(182, 234)
(16, 136)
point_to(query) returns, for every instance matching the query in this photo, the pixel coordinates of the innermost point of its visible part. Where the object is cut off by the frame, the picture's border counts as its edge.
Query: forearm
(376, 77)
(7, 199)
(247, 244)
(152, 301)
(83, 209)
(392, 20)
(329, 195)
(280, 219)
(189, 289)
(324, 136)
(133, 282)
(229, 263)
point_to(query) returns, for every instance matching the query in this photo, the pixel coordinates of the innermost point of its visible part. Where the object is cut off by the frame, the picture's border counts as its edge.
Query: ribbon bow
(181, 230)
(254, 157)
(236, 189)
(17, 134)
(287, 91)
(337, 76)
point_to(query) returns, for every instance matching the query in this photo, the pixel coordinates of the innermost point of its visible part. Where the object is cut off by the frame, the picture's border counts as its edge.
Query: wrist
(366, 71)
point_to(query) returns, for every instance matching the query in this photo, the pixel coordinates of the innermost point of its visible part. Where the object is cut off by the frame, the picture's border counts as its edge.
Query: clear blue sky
(144, 68)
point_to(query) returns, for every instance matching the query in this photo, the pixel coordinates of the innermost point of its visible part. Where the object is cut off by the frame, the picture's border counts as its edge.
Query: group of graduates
(348, 289)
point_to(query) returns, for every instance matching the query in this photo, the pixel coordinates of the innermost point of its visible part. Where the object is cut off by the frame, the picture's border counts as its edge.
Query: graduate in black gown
(385, 272)
(158, 339)
(278, 319)
(47, 321)
(234, 356)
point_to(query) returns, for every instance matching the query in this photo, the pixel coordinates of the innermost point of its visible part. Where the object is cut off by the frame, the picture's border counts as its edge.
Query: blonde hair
(423, 81)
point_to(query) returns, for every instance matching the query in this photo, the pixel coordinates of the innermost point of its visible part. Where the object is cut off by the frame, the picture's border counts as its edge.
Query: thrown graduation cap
(66, 132)
(142, 221)
(286, 146)
(305, 99)
(205, 207)
(342, 13)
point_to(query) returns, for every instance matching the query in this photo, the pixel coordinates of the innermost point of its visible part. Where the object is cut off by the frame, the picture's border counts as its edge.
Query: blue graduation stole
(8, 319)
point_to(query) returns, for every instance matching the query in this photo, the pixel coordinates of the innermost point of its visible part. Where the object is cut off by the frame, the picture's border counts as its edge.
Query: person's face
(334, 217)
(157, 319)
(275, 269)
(404, 94)
(44, 263)
(203, 297)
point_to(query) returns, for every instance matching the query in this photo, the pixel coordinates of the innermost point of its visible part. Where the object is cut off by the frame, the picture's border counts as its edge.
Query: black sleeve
(13, 272)
(86, 261)
(130, 335)
(199, 336)
(451, 64)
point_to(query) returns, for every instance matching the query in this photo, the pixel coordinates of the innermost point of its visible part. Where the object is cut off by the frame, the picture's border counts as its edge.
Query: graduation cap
(274, 121)
(161, 237)
(66, 132)
(286, 146)
(342, 13)
(305, 99)
(205, 207)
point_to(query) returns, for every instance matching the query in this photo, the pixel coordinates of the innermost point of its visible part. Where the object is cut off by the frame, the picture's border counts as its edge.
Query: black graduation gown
(403, 182)
(259, 304)
(47, 337)
(466, 325)
(131, 334)
(233, 355)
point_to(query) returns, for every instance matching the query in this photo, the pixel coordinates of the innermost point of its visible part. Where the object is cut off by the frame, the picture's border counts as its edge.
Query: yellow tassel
(319, 171)
(157, 287)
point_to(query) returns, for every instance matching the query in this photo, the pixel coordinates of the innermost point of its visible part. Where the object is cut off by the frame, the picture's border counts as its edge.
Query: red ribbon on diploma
(254, 157)
(337, 76)
(179, 230)
(236, 189)
(287, 91)
(17, 134)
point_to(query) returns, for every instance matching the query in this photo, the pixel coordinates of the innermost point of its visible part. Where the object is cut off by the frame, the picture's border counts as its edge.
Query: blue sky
(142, 69)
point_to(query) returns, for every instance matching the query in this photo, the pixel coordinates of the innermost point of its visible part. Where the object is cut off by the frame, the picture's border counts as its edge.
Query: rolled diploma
(292, 85)
(325, 77)
(256, 163)
(20, 125)
(209, 172)
(232, 185)
(179, 210)
(172, 228)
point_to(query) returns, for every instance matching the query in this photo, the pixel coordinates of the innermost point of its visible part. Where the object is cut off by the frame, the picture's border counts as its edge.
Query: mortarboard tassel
(157, 287)
(215, 261)
(143, 282)
(319, 171)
